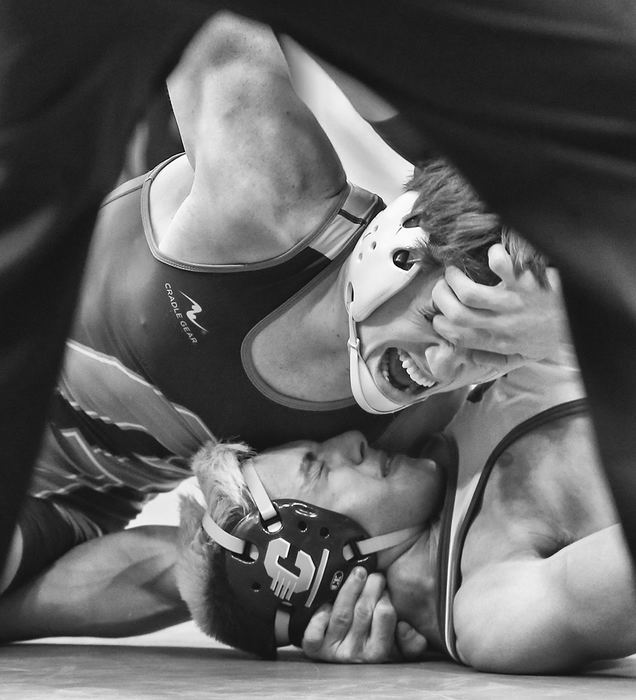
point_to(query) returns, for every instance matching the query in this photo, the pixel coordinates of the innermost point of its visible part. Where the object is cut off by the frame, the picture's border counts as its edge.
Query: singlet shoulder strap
(450, 571)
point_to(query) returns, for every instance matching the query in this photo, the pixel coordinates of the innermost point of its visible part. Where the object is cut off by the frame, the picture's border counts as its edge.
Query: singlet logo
(289, 578)
(191, 314)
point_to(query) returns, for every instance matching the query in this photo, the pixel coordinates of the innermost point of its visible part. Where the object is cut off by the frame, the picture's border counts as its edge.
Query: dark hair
(461, 229)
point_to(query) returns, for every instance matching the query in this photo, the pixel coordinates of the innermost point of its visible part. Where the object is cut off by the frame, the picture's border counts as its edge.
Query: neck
(413, 584)
(320, 320)
(323, 314)
(303, 352)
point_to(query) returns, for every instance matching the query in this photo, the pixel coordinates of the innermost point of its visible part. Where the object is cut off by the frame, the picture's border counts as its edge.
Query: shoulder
(237, 109)
(562, 450)
(264, 170)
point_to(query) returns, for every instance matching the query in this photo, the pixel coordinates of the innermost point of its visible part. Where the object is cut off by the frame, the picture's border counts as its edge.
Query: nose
(351, 447)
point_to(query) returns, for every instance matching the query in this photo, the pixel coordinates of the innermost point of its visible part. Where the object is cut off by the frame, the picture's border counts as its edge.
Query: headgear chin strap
(372, 277)
(288, 557)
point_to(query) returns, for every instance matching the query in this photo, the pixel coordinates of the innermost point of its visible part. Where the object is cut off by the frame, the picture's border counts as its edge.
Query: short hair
(460, 227)
(201, 566)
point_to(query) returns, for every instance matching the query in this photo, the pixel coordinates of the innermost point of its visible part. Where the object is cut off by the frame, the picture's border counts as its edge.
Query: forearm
(390, 125)
(118, 585)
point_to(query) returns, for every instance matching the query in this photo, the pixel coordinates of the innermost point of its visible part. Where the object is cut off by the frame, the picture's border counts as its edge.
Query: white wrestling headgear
(374, 273)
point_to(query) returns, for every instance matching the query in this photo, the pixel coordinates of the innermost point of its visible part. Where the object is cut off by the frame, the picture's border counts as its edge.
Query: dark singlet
(159, 360)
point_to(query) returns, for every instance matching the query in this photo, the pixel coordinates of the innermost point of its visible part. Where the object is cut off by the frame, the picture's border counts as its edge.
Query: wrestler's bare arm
(113, 586)
(385, 118)
(553, 614)
(265, 173)
(123, 584)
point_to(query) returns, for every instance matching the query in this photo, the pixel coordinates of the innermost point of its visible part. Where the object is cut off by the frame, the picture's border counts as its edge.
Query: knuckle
(376, 581)
(454, 313)
(469, 296)
(386, 613)
(364, 612)
(437, 295)
(341, 619)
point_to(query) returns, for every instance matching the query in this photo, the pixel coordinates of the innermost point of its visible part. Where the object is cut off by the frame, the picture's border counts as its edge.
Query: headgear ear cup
(302, 566)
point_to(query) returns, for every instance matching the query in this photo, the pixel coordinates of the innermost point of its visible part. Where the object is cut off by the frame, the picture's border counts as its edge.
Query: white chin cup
(364, 389)
(371, 279)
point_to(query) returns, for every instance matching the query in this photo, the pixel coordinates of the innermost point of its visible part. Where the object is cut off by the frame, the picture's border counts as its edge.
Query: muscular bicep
(550, 615)
(264, 170)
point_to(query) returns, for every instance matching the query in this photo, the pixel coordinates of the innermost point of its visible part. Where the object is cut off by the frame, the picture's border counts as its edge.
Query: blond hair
(201, 570)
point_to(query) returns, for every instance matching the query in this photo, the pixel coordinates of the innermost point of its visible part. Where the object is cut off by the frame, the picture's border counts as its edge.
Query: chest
(300, 352)
(544, 492)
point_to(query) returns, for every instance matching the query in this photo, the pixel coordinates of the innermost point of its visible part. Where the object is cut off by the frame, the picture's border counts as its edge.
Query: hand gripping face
(287, 557)
(377, 269)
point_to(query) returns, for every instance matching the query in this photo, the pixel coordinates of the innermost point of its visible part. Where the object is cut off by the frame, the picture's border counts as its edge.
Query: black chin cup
(300, 562)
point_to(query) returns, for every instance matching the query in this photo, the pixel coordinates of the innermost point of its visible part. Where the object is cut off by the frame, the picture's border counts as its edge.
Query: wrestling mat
(182, 663)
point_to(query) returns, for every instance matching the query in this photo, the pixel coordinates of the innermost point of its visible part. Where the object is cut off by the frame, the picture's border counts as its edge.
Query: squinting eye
(317, 469)
(312, 466)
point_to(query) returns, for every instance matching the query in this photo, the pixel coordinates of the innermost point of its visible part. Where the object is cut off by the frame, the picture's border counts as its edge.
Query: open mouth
(401, 372)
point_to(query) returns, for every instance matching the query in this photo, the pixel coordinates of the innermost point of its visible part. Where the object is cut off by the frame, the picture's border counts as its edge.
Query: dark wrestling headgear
(287, 557)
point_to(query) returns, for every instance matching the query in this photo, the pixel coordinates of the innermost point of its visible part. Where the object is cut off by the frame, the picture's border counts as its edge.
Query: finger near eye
(466, 290)
(461, 336)
(481, 297)
(500, 263)
(500, 362)
(453, 308)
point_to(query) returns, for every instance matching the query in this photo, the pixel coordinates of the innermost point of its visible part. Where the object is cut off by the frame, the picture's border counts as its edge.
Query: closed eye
(312, 467)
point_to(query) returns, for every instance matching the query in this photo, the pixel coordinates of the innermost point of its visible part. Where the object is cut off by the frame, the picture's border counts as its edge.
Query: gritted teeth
(414, 372)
